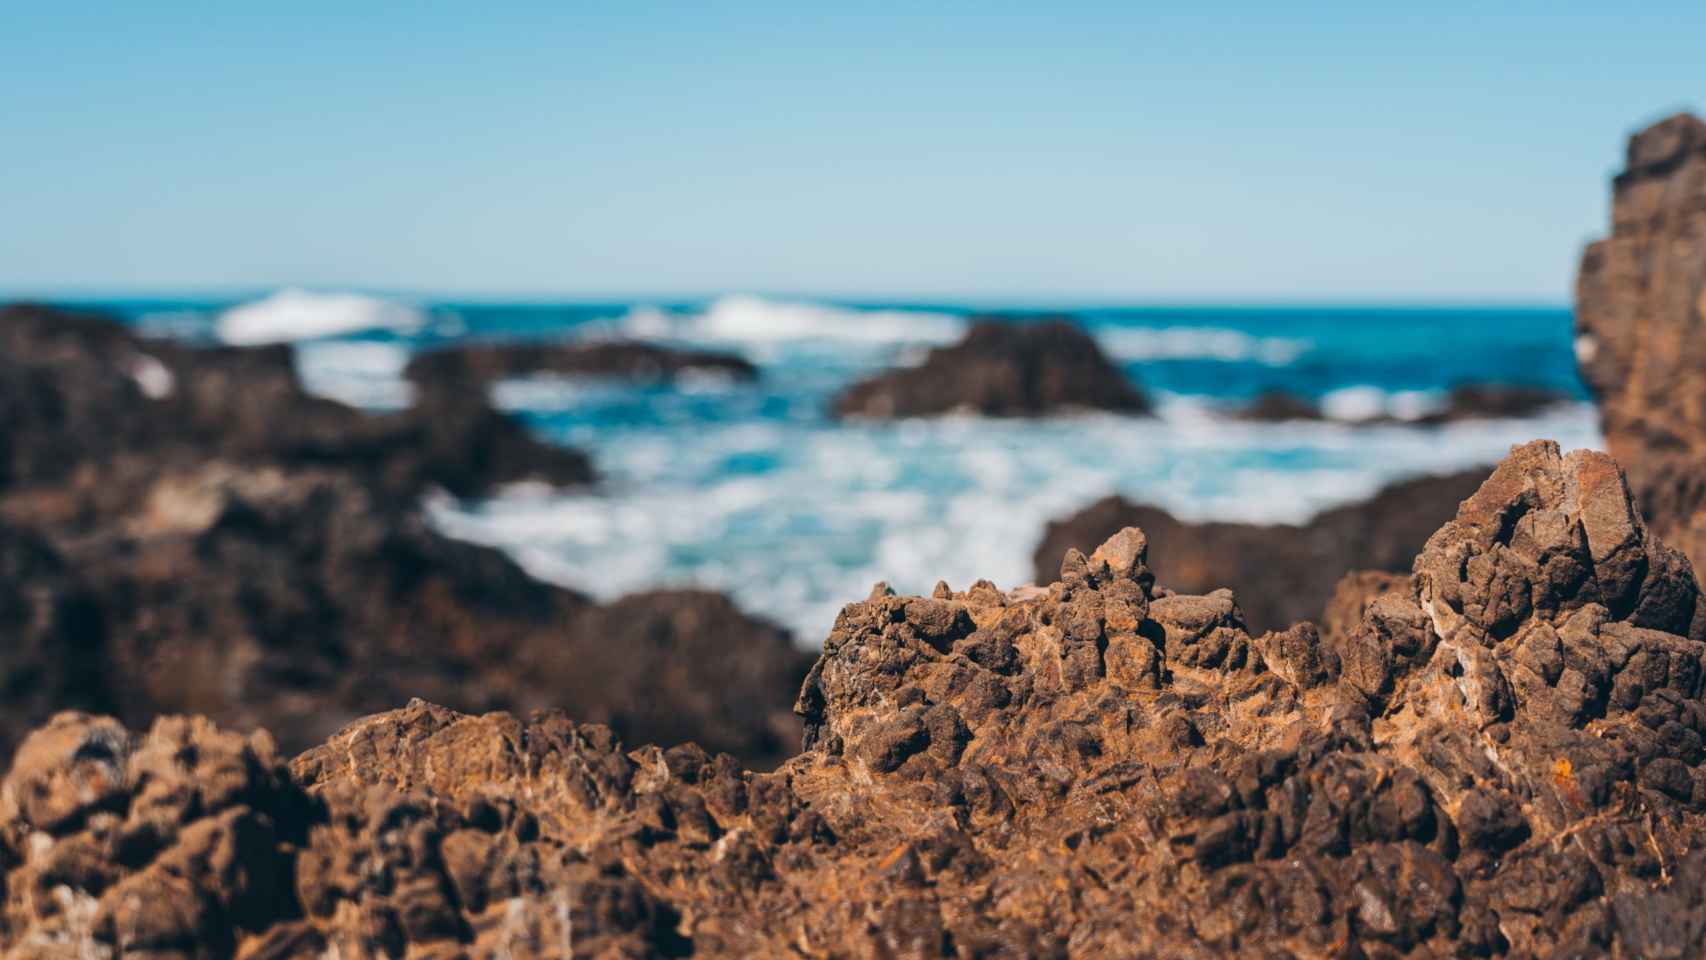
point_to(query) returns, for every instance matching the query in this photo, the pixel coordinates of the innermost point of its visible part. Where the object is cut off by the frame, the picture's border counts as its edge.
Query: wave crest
(756, 320)
(302, 315)
(1139, 344)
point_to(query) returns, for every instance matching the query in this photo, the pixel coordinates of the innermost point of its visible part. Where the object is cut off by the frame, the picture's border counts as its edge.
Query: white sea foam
(1139, 344)
(359, 373)
(152, 377)
(303, 315)
(754, 320)
(1366, 402)
(957, 498)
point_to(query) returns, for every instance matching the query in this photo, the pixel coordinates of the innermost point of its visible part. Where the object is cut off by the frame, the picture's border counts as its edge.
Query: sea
(752, 489)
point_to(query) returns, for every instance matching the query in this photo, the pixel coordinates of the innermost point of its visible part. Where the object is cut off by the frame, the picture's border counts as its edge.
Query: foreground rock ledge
(1502, 758)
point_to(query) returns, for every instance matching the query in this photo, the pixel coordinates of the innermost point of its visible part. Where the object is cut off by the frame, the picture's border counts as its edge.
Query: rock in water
(1001, 368)
(1502, 758)
(1466, 401)
(1280, 573)
(476, 365)
(189, 531)
(1641, 327)
(78, 389)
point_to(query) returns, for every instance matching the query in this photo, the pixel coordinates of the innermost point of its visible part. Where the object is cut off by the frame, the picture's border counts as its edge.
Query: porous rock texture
(1010, 367)
(1282, 573)
(1641, 325)
(476, 365)
(1501, 760)
(188, 531)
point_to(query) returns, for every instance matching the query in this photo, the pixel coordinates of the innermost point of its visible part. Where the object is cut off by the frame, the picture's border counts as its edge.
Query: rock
(1001, 368)
(78, 389)
(1469, 401)
(1280, 573)
(669, 666)
(476, 365)
(1478, 401)
(1640, 313)
(1497, 762)
(297, 601)
(1352, 596)
(1274, 406)
(205, 537)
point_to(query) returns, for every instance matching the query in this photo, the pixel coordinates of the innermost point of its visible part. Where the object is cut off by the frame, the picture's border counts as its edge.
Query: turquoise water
(750, 488)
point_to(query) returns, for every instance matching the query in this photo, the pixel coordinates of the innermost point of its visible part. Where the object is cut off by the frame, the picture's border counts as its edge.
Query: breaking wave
(290, 315)
(1141, 344)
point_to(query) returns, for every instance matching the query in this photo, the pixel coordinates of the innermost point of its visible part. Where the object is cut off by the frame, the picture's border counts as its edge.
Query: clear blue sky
(1431, 151)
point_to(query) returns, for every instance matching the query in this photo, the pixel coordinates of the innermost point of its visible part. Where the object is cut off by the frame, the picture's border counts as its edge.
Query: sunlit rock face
(1641, 327)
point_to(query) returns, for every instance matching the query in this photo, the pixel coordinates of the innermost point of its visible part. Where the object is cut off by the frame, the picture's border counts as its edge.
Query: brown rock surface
(1352, 596)
(1641, 325)
(1503, 760)
(1001, 368)
(473, 365)
(1281, 573)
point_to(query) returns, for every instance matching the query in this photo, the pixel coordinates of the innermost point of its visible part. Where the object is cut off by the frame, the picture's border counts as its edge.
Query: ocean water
(752, 489)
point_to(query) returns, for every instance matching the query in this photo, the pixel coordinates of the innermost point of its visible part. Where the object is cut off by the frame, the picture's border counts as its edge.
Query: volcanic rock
(475, 365)
(1001, 368)
(1280, 573)
(1501, 760)
(1641, 327)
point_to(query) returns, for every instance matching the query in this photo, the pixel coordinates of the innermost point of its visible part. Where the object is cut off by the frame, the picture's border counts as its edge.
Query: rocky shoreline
(1493, 745)
(1499, 759)
(232, 546)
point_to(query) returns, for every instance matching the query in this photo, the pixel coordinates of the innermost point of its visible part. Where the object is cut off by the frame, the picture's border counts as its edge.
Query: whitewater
(751, 489)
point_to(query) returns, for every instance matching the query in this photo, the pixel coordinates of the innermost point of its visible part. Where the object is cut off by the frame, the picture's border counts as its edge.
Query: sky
(1129, 152)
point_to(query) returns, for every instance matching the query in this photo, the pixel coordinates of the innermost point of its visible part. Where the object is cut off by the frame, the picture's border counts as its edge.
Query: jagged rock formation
(1353, 595)
(1641, 325)
(1001, 368)
(78, 389)
(472, 366)
(1469, 401)
(187, 531)
(1281, 573)
(1502, 760)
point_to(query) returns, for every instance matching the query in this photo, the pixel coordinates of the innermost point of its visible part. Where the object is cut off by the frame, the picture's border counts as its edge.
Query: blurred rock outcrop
(1021, 367)
(205, 537)
(475, 365)
(77, 389)
(1467, 401)
(1641, 325)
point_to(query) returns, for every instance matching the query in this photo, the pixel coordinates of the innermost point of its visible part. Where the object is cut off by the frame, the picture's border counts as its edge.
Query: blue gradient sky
(1435, 152)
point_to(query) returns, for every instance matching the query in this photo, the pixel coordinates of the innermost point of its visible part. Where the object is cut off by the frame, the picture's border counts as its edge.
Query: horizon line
(1016, 301)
